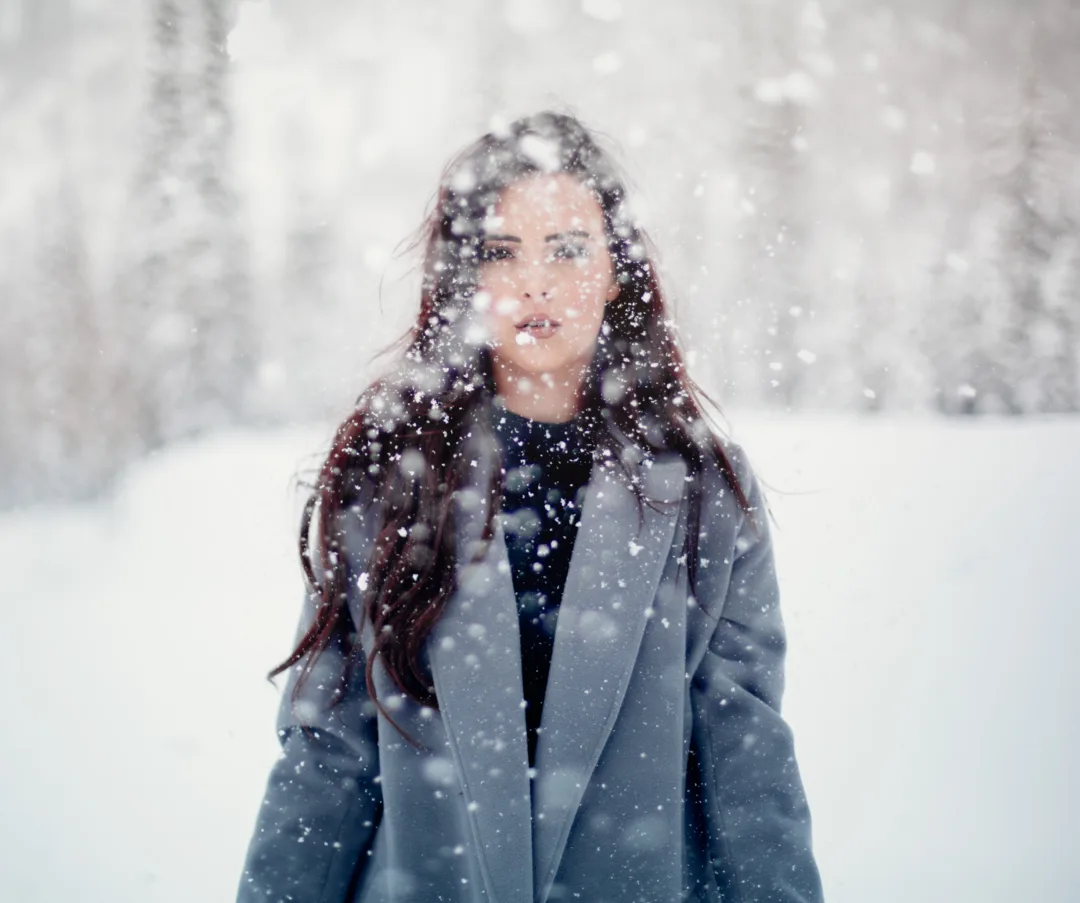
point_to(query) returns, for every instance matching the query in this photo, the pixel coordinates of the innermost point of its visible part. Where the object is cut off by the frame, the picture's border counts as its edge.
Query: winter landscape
(868, 220)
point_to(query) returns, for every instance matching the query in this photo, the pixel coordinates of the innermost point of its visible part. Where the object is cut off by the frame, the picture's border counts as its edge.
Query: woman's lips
(534, 330)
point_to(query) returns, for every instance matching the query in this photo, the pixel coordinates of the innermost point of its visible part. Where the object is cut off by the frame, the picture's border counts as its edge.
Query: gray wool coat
(664, 770)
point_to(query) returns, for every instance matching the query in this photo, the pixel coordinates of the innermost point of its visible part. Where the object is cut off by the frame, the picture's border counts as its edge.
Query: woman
(543, 649)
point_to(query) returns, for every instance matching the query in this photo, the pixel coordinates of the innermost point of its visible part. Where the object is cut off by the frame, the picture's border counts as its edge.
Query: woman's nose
(536, 283)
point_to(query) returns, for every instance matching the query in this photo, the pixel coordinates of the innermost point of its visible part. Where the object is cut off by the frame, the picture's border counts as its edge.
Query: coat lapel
(475, 656)
(614, 573)
(476, 665)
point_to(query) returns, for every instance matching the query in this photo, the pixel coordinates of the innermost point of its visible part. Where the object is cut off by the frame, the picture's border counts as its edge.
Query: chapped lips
(536, 320)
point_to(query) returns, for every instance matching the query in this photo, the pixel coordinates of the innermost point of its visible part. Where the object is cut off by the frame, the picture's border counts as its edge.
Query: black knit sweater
(546, 467)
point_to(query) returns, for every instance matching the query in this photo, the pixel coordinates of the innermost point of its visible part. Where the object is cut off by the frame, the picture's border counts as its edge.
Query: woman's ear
(613, 291)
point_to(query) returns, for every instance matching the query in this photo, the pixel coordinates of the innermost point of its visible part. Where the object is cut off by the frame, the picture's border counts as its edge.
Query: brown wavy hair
(405, 432)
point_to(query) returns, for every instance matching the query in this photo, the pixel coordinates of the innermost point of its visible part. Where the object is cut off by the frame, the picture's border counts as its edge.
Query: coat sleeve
(322, 803)
(757, 812)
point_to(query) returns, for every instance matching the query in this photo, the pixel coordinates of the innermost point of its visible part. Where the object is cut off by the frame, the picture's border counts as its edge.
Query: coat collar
(475, 657)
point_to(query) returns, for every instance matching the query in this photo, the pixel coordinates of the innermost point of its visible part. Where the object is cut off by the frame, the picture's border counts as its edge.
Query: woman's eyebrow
(580, 233)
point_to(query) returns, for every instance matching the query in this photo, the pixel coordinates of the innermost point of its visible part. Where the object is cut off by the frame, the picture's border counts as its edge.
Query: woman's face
(545, 276)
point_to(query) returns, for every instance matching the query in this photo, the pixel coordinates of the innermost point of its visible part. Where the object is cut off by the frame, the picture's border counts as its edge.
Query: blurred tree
(186, 288)
(771, 295)
(310, 295)
(56, 439)
(224, 352)
(1028, 362)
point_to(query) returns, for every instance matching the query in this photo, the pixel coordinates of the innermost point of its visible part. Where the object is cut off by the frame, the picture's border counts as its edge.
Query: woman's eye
(570, 252)
(489, 254)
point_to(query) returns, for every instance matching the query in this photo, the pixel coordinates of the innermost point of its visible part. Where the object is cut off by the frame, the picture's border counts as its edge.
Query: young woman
(541, 655)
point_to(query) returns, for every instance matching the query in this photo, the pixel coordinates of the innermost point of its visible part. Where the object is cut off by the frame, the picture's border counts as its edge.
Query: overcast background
(868, 218)
(860, 206)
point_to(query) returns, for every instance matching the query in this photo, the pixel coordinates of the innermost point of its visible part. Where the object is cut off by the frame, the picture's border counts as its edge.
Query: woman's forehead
(548, 198)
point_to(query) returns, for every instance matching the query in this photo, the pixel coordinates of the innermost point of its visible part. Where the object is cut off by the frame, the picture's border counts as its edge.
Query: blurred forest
(860, 206)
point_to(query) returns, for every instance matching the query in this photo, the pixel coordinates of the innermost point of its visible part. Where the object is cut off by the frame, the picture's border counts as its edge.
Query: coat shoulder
(723, 480)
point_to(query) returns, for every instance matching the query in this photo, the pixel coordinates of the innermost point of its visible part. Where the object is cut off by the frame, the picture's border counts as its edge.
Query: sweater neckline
(523, 436)
(519, 422)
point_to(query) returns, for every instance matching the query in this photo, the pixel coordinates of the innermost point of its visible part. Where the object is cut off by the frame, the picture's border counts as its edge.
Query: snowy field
(929, 571)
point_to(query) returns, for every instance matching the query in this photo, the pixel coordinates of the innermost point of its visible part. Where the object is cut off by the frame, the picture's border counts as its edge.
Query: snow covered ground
(929, 573)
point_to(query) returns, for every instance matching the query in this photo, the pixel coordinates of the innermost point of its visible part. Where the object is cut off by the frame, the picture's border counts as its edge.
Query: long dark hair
(406, 429)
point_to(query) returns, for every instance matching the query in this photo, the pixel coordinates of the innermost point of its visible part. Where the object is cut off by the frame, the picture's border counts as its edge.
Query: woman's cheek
(506, 305)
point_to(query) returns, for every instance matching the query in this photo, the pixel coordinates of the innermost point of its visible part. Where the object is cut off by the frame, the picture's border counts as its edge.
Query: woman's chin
(547, 371)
